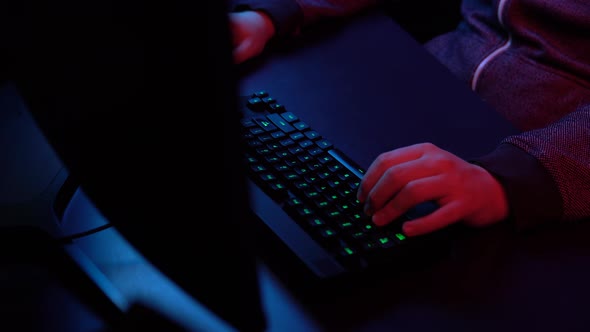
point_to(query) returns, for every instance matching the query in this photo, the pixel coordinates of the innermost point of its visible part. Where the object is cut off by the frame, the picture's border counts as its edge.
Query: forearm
(546, 172)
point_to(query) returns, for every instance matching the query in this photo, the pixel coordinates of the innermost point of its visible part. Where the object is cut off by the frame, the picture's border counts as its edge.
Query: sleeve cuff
(533, 196)
(286, 15)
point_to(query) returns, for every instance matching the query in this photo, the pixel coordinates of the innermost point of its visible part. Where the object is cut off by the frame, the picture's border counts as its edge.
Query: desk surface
(492, 280)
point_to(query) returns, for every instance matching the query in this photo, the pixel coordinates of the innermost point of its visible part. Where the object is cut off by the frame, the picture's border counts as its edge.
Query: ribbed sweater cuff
(533, 196)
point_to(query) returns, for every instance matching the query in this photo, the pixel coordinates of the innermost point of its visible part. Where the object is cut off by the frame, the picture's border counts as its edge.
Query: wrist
(493, 205)
(499, 199)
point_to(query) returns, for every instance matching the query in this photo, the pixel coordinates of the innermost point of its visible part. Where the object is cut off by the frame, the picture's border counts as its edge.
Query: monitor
(132, 96)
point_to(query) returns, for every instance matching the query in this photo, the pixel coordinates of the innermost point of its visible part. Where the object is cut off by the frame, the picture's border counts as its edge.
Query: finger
(440, 218)
(240, 52)
(382, 163)
(412, 194)
(393, 180)
(234, 28)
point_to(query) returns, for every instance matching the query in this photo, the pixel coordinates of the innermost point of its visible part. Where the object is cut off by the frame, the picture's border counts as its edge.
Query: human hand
(402, 178)
(251, 30)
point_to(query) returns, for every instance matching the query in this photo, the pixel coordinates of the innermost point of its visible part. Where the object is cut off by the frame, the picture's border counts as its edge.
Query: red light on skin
(401, 179)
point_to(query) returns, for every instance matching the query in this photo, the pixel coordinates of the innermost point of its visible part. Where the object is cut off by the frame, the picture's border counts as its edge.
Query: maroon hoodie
(530, 60)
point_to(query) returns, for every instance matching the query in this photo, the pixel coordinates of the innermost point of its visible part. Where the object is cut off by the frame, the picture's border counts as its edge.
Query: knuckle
(389, 175)
(439, 161)
(443, 162)
(428, 146)
(381, 158)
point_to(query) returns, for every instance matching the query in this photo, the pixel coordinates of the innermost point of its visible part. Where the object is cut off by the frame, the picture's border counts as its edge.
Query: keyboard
(306, 194)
